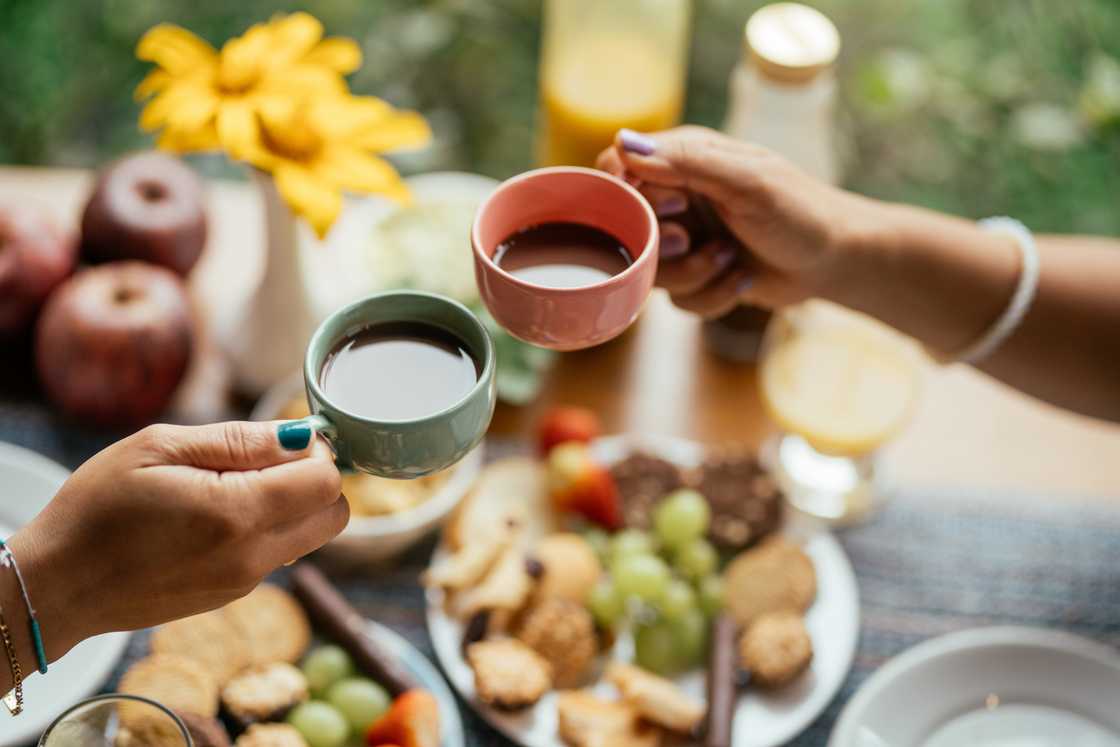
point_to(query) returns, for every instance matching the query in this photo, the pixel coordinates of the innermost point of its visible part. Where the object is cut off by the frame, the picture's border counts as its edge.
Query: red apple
(114, 341)
(147, 206)
(35, 256)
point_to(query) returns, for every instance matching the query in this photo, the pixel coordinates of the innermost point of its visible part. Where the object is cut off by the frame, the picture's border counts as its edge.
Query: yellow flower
(315, 147)
(203, 99)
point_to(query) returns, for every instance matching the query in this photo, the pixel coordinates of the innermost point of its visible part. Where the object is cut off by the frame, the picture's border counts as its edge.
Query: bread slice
(508, 491)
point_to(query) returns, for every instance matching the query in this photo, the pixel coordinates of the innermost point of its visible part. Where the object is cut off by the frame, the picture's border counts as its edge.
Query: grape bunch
(344, 703)
(666, 583)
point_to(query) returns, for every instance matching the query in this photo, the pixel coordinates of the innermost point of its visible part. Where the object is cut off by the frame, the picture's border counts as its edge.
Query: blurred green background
(978, 107)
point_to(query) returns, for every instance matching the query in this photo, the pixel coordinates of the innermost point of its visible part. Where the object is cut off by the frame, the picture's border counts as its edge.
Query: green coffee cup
(402, 449)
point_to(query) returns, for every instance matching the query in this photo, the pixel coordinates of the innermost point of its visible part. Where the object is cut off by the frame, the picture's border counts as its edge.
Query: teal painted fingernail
(295, 435)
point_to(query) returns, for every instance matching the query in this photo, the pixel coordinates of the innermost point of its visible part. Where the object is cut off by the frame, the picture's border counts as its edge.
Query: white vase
(268, 342)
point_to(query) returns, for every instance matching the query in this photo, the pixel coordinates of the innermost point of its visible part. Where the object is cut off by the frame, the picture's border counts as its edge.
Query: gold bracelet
(14, 699)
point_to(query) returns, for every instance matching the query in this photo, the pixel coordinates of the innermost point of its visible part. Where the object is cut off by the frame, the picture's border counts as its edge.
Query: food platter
(761, 719)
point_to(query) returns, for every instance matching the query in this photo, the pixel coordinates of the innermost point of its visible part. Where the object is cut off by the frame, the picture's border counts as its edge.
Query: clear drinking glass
(840, 386)
(117, 721)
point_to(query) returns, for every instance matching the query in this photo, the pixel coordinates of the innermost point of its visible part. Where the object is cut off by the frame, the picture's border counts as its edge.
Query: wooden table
(969, 431)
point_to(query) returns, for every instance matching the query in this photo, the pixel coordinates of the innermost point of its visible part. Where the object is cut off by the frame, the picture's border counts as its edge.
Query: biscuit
(211, 639)
(563, 632)
(508, 674)
(776, 575)
(273, 623)
(570, 567)
(174, 681)
(656, 699)
(205, 732)
(265, 693)
(271, 735)
(505, 587)
(775, 649)
(587, 720)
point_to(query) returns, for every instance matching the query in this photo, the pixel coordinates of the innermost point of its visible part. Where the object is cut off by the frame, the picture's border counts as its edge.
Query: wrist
(862, 248)
(48, 591)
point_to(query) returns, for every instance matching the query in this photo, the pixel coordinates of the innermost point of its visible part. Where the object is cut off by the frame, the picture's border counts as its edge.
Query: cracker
(774, 576)
(211, 639)
(273, 623)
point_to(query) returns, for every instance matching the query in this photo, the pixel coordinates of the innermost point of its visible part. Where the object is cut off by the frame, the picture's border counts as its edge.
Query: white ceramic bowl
(376, 539)
(989, 686)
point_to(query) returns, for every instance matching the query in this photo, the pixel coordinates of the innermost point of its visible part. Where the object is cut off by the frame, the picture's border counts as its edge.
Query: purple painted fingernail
(744, 286)
(673, 244)
(636, 142)
(673, 204)
(726, 255)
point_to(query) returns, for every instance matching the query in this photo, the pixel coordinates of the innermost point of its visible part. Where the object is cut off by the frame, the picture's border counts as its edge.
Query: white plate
(989, 687)
(761, 720)
(30, 481)
(428, 677)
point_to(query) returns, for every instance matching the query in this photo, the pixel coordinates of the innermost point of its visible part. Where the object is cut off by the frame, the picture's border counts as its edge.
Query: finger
(696, 269)
(234, 445)
(693, 158)
(675, 241)
(718, 297)
(299, 538)
(610, 161)
(297, 489)
(666, 202)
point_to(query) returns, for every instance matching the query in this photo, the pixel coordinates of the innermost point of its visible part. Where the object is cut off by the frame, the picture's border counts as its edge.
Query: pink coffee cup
(565, 318)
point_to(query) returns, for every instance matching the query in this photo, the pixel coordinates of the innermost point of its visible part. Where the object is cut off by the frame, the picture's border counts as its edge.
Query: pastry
(508, 674)
(643, 480)
(745, 501)
(512, 490)
(563, 632)
(587, 720)
(211, 639)
(505, 587)
(656, 699)
(273, 623)
(271, 735)
(264, 694)
(469, 564)
(570, 567)
(205, 732)
(774, 576)
(178, 683)
(776, 649)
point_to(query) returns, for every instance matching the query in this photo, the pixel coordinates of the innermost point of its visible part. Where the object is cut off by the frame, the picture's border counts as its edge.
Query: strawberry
(579, 485)
(412, 721)
(562, 424)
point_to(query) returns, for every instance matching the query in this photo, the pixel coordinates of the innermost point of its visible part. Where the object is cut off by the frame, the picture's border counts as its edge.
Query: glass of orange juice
(605, 65)
(839, 385)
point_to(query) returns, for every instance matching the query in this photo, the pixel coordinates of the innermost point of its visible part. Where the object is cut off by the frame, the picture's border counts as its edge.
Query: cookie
(771, 577)
(745, 501)
(656, 699)
(505, 587)
(643, 480)
(273, 623)
(508, 674)
(563, 632)
(586, 720)
(205, 732)
(271, 735)
(264, 694)
(174, 681)
(569, 567)
(211, 639)
(776, 649)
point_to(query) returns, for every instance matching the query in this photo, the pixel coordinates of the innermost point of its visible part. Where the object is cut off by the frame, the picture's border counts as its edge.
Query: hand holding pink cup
(575, 317)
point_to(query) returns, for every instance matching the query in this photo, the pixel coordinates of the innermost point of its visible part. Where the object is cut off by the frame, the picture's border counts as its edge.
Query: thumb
(694, 158)
(235, 445)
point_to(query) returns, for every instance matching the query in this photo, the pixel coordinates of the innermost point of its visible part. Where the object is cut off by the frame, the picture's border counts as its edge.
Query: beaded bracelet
(14, 699)
(7, 560)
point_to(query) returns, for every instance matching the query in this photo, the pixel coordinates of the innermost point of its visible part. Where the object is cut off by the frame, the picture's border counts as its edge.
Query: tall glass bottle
(605, 65)
(782, 96)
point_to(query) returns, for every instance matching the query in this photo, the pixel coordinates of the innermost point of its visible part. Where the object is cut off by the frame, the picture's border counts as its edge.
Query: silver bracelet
(1021, 299)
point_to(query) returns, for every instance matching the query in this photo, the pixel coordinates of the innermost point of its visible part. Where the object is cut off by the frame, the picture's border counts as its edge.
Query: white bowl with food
(387, 517)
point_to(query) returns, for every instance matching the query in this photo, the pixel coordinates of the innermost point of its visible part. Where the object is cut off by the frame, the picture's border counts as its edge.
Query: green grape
(607, 606)
(320, 724)
(326, 665)
(359, 700)
(711, 595)
(677, 599)
(600, 542)
(642, 576)
(629, 542)
(680, 517)
(697, 559)
(656, 649)
(690, 634)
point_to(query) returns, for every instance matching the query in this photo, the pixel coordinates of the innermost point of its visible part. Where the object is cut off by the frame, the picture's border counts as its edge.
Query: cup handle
(325, 428)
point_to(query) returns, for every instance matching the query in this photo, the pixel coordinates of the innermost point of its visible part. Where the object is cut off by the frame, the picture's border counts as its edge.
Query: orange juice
(593, 87)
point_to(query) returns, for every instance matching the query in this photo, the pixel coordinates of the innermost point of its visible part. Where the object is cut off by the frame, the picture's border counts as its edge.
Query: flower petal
(341, 116)
(308, 195)
(175, 49)
(399, 130)
(180, 141)
(193, 111)
(243, 58)
(352, 169)
(301, 79)
(238, 129)
(153, 83)
(293, 36)
(164, 106)
(337, 53)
